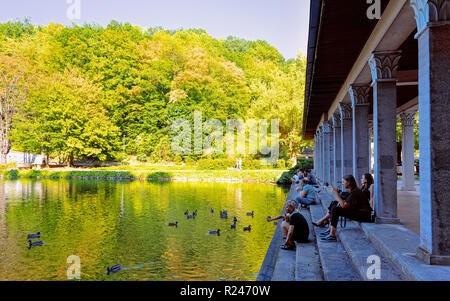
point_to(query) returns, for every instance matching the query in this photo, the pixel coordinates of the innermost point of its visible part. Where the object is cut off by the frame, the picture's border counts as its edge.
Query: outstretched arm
(275, 218)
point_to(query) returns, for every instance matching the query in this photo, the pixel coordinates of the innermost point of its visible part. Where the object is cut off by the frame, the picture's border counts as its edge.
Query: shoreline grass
(261, 176)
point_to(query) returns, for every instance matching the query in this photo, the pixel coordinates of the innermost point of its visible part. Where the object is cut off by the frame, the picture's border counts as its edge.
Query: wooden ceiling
(338, 33)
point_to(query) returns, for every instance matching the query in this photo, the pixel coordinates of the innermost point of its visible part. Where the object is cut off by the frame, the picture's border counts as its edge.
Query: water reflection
(108, 222)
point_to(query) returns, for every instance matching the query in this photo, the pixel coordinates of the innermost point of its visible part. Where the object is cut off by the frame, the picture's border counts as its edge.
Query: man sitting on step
(295, 227)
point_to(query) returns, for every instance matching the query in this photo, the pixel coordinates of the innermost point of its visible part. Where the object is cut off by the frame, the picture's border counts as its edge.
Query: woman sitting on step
(355, 207)
(367, 187)
(326, 219)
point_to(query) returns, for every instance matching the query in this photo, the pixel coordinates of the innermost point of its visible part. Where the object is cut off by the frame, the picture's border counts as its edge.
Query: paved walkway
(408, 206)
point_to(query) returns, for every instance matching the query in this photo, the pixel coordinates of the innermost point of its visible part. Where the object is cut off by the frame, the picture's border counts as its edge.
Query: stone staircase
(350, 258)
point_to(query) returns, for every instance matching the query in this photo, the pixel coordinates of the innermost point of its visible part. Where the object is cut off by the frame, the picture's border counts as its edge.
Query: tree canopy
(91, 85)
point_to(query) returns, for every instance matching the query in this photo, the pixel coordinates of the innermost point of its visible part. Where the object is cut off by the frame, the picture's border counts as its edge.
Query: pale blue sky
(283, 23)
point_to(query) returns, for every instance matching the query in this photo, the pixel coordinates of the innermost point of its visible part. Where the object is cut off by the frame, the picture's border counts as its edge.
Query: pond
(106, 223)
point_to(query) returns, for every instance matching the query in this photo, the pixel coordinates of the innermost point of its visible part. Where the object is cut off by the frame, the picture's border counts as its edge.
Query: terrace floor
(408, 207)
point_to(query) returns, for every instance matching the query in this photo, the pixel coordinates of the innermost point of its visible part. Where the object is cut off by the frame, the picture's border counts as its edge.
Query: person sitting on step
(306, 195)
(297, 177)
(367, 188)
(298, 230)
(326, 219)
(355, 207)
(311, 178)
(295, 227)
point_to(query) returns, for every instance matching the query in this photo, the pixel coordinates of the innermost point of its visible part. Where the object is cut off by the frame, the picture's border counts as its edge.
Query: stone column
(320, 154)
(360, 111)
(326, 151)
(315, 153)
(407, 119)
(337, 148)
(346, 139)
(383, 66)
(370, 146)
(433, 34)
(331, 137)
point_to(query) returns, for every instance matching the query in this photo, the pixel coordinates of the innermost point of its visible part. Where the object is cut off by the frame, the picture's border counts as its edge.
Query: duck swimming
(113, 269)
(34, 235)
(214, 232)
(35, 243)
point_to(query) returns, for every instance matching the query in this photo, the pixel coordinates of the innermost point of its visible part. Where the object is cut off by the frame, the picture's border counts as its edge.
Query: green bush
(281, 163)
(12, 173)
(141, 158)
(214, 164)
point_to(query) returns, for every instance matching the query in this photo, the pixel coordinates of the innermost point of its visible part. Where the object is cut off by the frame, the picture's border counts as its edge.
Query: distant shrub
(281, 163)
(12, 173)
(141, 158)
(188, 161)
(211, 164)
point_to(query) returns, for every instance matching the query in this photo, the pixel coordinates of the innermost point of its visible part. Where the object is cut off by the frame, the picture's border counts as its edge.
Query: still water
(106, 223)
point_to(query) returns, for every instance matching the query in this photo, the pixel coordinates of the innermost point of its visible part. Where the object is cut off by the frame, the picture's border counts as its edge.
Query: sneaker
(328, 238)
(324, 233)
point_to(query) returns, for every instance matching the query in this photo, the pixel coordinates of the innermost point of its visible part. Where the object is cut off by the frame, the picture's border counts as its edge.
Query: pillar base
(431, 259)
(387, 220)
(408, 188)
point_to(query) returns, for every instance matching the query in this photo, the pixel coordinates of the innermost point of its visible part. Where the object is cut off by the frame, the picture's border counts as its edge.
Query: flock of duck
(118, 267)
(223, 214)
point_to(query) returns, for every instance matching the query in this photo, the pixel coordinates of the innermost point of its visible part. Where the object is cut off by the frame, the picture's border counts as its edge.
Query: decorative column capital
(326, 127)
(430, 11)
(359, 94)
(336, 119)
(383, 65)
(408, 118)
(345, 110)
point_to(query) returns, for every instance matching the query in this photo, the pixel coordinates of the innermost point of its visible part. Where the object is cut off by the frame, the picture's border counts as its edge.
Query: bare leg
(324, 219)
(285, 228)
(332, 231)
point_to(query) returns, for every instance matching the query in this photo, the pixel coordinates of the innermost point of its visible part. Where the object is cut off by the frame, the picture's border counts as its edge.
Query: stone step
(336, 264)
(307, 261)
(399, 244)
(360, 249)
(359, 245)
(285, 266)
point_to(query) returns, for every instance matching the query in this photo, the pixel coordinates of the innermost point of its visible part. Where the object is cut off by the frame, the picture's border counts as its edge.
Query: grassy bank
(264, 176)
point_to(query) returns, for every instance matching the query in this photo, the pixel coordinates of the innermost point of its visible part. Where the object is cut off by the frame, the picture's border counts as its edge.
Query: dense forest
(78, 90)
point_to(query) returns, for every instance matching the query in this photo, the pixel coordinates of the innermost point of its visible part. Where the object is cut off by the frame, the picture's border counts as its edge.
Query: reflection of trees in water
(107, 223)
